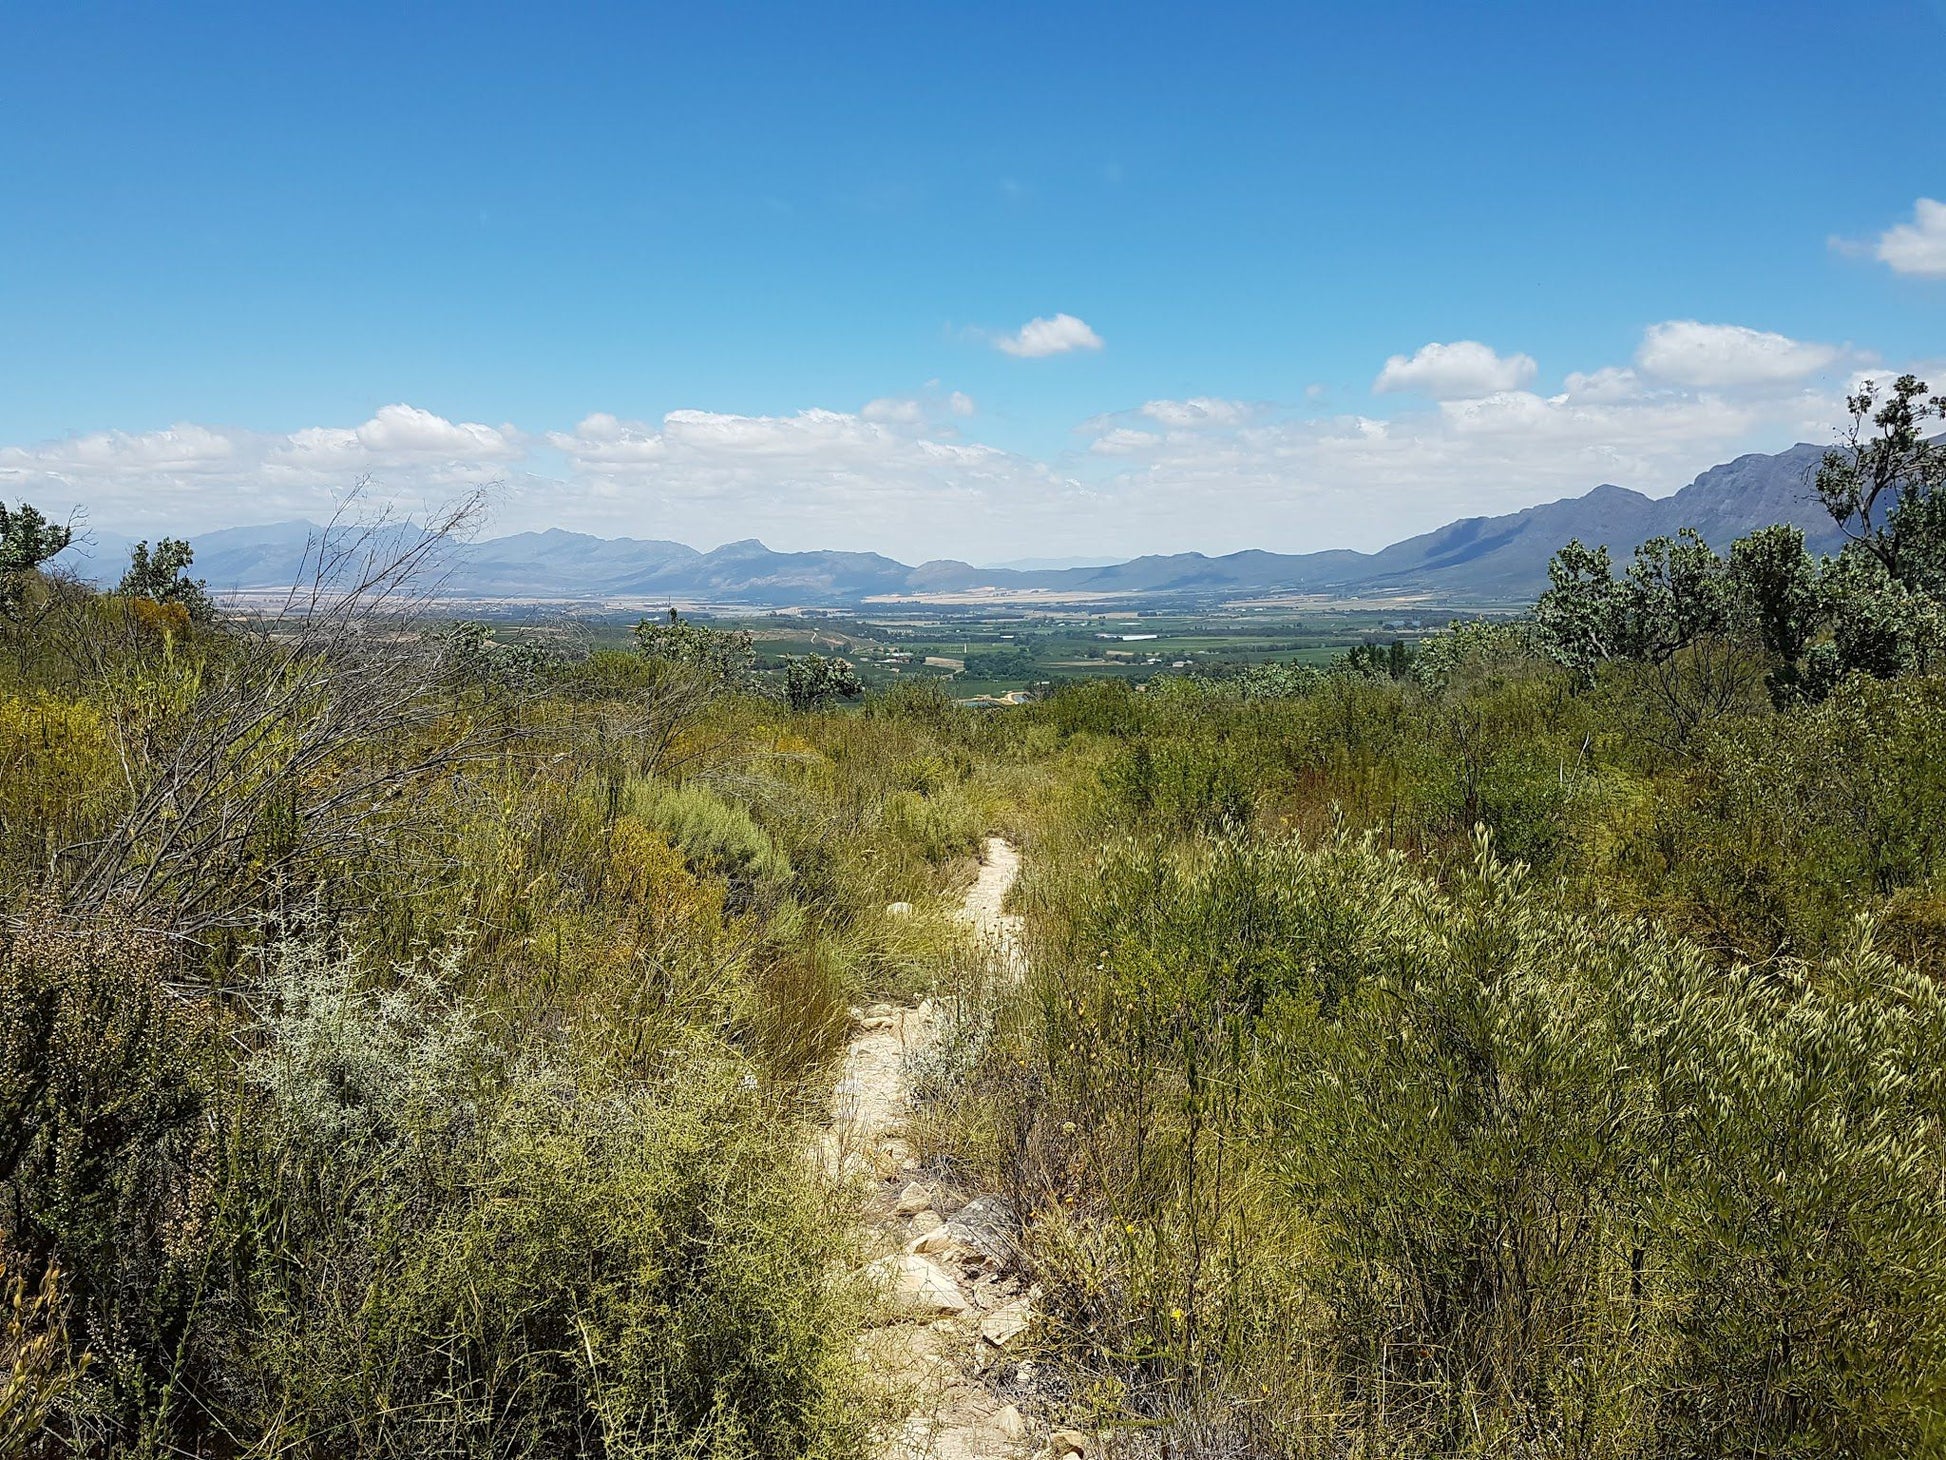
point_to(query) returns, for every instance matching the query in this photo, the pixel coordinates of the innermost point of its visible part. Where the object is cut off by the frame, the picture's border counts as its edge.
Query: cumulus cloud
(1461, 370)
(1610, 383)
(895, 475)
(1689, 352)
(176, 477)
(1054, 336)
(814, 478)
(1918, 247)
(1121, 441)
(918, 411)
(896, 412)
(1199, 411)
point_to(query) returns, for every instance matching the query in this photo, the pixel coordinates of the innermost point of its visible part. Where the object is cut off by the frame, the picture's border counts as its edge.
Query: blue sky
(250, 253)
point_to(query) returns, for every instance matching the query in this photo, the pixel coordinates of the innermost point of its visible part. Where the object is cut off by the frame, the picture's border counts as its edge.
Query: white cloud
(1055, 336)
(894, 412)
(1123, 442)
(918, 411)
(894, 476)
(1610, 383)
(818, 478)
(1689, 352)
(1199, 411)
(1918, 247)
(190, 476)
(1461, 370)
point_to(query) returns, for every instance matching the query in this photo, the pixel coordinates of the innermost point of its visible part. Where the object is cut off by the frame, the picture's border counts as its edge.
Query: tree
(162, 576)
(811, 681)
(1775, 596)
(1674, 593)
(722, 657)
(473, 656)
(1883, 486)
(1575, 618)
(27, 539)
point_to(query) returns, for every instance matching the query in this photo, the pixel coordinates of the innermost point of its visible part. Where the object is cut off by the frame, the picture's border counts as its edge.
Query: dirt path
(951, 1310)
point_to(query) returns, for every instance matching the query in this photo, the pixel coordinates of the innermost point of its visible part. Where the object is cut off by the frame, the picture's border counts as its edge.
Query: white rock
(913, 1200)
(924, 1222)
(918, 1285)
(1005, 1324)
(1010, 1422)
(898, 909)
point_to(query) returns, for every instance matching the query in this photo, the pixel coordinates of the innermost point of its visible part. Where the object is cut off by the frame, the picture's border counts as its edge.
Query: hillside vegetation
(1525, 1045)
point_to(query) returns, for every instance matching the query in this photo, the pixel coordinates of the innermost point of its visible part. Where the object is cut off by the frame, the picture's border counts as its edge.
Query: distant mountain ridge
(1478, 559)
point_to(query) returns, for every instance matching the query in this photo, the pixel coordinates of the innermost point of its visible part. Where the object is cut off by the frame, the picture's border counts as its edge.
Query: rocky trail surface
(953, 1311)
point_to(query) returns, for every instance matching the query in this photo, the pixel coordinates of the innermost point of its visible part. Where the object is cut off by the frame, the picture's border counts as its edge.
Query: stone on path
(1005, 1324)
(913, 1200)
(919, 1286)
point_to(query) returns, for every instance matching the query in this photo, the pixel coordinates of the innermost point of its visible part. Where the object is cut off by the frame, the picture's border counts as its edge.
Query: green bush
(715, 835)
(529, 1256)
(1547, 1181)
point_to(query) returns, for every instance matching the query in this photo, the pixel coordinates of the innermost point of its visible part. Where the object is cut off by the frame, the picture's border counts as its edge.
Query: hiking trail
(953, 1312)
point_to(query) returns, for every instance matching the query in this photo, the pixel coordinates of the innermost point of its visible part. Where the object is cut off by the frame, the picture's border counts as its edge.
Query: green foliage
(714, 835)
(1377, 661)
(1675, 592)
(472, 656)
(812, 682)
(1091, 706)
(1883, 485)
(1001, 664)
(1177, 786)
(162, 576)
(104, 1079)
(536, 1260)
(1469, 652)
(919, 701)
(27, 539)
(722, 658)
(1557, 1183)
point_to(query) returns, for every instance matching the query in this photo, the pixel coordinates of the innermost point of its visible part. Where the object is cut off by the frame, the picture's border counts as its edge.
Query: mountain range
(1476, 560)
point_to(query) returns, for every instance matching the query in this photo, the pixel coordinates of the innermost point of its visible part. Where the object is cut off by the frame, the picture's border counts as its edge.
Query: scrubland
(411, 1045)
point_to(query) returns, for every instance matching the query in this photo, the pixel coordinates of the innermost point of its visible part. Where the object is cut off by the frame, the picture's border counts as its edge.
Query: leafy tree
(811, 681)
(1880, 625)
(27, 539)
(723, 657)
(1883, 484)
(1575, 618)
(1674, 593)
(1271, 680)
(1777, 598)
(470, 652)
(1773, 584)
(162, 576)
(1377, 661)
